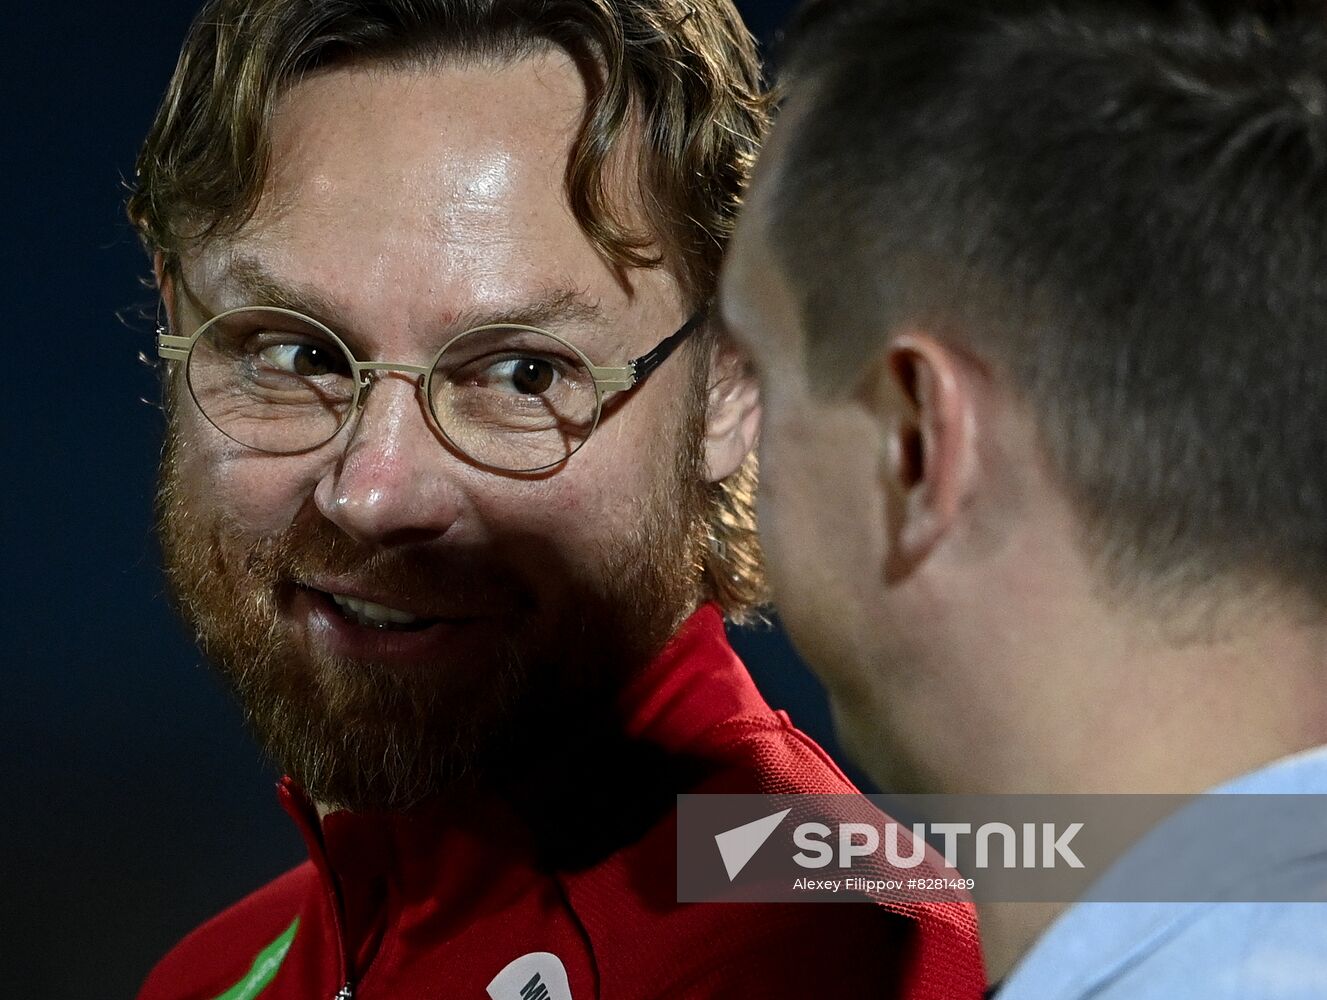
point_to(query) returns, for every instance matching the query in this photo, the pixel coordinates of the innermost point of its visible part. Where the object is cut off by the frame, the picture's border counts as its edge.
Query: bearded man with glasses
(457, 491)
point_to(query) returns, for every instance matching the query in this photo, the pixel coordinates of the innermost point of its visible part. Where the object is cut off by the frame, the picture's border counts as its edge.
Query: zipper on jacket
(301, 810)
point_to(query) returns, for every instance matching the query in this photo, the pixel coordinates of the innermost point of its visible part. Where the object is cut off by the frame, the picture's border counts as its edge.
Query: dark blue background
(135, 805)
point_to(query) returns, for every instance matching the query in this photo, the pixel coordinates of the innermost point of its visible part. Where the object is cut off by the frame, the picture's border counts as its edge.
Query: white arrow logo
(739, 845)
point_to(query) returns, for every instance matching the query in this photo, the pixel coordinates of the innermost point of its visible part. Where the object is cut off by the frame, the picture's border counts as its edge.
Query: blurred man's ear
(923, 393)
(732, 419)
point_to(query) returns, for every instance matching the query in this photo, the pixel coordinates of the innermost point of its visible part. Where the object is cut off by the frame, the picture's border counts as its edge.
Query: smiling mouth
(378, 616)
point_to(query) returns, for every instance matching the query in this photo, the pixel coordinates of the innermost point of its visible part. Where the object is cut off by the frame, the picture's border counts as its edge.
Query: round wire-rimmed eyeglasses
(508, 397)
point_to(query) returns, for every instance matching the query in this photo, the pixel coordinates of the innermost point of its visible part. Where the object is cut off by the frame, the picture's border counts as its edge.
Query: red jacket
(437, 905)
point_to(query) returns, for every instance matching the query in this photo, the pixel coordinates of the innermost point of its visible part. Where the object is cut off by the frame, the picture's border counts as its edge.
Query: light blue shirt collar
(1092, 942)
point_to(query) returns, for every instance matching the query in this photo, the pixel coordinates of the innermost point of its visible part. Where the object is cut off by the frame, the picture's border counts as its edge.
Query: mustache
(314, 550)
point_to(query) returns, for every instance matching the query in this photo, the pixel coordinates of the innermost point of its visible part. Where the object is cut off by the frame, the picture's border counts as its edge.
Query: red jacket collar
(695, 683)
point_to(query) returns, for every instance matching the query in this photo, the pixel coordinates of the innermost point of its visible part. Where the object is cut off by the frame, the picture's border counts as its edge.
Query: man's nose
(394, 484)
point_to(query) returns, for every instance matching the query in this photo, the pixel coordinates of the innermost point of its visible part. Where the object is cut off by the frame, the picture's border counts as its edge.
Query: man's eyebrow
(726, 330)
(263, 288)
(550, 308)
(719, 323)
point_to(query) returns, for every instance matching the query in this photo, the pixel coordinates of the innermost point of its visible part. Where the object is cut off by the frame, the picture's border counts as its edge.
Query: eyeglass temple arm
(650, 360)
(172, 346)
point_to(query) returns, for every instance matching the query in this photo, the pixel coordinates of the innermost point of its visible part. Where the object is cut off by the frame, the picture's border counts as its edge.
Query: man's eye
(303, 359)
(526, 376)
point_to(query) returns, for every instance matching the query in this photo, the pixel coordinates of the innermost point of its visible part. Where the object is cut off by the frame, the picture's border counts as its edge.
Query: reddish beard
(371, 736)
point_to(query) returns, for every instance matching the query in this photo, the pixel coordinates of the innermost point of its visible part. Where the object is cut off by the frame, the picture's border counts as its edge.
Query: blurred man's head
(1036, 291)
(391, 600)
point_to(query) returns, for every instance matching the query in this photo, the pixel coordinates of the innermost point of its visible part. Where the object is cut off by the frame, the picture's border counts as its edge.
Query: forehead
(471, 127)
(446, 180)
(758, 301)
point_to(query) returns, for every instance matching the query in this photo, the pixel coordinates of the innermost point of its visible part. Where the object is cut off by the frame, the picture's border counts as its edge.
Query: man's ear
(924, 393)
(165, 286)
(732, 412)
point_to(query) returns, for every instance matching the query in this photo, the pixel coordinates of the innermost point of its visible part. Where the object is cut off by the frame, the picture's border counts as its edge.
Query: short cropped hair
(1122, 208)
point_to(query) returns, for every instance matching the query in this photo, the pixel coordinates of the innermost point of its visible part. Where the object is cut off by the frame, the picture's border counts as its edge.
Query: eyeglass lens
(510, 398)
